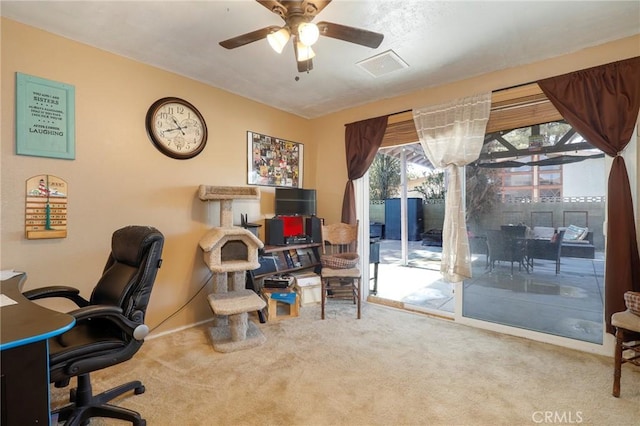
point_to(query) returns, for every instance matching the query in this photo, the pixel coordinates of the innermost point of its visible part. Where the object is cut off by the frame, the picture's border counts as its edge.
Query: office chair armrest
(138, 330)
(66, 292)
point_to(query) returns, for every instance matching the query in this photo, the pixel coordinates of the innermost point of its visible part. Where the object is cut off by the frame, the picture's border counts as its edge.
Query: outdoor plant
(433, 187)
(482, 189)
(384, 177)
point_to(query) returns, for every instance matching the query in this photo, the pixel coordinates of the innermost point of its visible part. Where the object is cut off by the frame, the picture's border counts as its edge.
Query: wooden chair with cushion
(340, 275)
(627, 324)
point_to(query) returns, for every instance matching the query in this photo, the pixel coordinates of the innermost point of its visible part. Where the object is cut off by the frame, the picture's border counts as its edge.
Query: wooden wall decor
(46, 207)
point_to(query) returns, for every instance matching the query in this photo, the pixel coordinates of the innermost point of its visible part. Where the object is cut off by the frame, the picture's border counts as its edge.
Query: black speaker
(274, 232)
(312, 229)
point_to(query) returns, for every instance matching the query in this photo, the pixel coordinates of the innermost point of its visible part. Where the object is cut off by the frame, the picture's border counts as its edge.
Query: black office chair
(109, 326)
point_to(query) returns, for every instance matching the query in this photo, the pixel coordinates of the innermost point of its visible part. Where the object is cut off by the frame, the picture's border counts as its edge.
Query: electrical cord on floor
(186, 303)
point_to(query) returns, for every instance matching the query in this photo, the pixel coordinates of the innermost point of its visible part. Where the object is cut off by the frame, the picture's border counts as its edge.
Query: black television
(295, 202)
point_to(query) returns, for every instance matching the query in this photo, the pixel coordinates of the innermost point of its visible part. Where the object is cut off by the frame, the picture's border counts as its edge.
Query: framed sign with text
(45, 118)
(273, 161)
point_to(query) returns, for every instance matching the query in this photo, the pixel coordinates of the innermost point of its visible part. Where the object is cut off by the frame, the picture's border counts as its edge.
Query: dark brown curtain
(362, 140)
(602, 104)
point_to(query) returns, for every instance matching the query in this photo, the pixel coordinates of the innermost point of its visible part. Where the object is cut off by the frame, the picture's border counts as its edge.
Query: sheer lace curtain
(451, 135)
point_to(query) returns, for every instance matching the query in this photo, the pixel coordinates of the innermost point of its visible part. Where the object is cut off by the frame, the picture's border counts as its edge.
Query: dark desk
(24, 329)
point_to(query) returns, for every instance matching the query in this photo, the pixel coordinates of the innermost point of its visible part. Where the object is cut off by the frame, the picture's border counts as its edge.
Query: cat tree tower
(229, 252)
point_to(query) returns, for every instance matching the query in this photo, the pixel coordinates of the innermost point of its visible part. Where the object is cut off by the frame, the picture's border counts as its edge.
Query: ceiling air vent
(383, 63)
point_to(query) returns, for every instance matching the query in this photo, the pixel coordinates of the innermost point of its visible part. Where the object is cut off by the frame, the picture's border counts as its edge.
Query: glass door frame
(608, 341)
(606, 348)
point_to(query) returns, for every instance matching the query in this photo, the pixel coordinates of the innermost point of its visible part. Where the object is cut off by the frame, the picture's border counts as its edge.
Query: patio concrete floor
(569, 304)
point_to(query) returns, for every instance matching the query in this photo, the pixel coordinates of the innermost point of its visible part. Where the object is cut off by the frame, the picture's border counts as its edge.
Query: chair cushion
(542, 232)
(575, 233)
(626, 320)
(340, 273)
(632, 300)
(88, 338)
(579, 242)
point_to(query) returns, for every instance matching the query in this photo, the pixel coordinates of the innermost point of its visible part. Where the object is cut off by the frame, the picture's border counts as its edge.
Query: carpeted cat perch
(229, 252)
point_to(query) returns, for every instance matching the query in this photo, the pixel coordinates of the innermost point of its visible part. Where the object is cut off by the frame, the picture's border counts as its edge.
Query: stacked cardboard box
(308, 286)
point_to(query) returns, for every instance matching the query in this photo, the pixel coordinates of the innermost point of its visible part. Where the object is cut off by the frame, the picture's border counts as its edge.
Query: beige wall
(119, 178)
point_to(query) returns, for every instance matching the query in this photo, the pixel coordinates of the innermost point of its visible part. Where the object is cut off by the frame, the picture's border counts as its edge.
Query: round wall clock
(176, 128)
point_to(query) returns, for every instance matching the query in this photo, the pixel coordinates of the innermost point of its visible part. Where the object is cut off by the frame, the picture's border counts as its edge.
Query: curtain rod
(387, 115)
(400, 112)
(493, 91)
(514, 86)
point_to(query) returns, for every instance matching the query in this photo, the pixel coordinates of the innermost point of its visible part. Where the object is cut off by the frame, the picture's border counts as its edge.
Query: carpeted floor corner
(389, 368)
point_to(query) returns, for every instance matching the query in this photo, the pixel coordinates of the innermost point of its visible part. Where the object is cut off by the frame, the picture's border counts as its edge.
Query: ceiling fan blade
(350, 34)
(247, 38)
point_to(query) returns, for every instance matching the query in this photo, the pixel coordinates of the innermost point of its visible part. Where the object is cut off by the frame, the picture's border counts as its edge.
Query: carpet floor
(389, 368)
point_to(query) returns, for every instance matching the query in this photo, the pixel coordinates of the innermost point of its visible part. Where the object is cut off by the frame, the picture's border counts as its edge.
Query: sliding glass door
(406, 212)
(536, 224)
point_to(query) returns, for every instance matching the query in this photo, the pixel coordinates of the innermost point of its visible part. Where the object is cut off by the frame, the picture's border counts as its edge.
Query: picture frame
(45, 118)
(274, 161)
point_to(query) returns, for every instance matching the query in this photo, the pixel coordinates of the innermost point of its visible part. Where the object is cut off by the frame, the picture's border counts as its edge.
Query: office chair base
(85, 405)
(81, 416)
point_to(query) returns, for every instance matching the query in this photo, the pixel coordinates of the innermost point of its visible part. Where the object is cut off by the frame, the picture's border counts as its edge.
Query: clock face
(176, 128)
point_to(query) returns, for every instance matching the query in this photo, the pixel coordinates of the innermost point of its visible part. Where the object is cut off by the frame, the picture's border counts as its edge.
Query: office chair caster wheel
(139, 390)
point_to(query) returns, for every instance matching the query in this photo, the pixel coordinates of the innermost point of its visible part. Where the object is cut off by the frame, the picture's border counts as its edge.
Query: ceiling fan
(297, 16)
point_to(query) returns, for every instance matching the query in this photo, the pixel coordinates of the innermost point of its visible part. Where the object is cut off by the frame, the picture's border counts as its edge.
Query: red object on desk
(293, 225)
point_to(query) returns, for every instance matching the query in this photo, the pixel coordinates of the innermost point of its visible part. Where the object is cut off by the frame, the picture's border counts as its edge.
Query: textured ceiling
(440, 41)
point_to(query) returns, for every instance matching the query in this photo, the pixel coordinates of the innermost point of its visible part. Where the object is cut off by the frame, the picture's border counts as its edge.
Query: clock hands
(173, 130)
(179, 128)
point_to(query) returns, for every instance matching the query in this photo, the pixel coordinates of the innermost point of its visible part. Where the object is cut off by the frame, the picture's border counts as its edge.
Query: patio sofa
(577, 241)
(580, 248)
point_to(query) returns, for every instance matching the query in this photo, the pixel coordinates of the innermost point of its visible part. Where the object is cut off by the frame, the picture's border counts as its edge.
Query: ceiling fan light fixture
(304, 53)
(308, 33)
(278, 39)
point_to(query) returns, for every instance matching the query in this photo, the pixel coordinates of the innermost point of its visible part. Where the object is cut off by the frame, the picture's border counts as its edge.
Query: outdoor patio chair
(545, 249)
(514, 231)
(503, 247)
